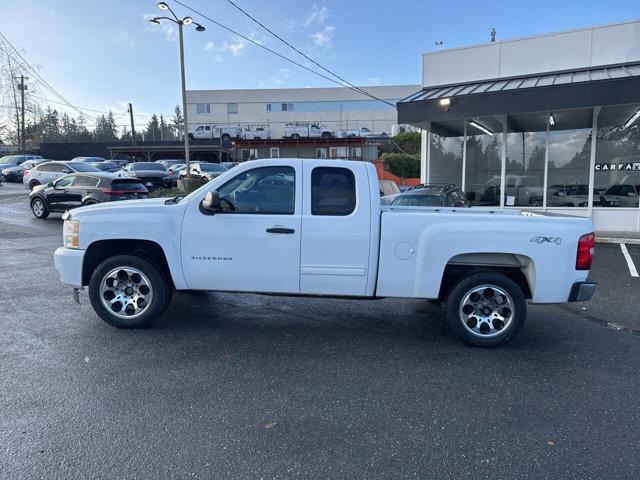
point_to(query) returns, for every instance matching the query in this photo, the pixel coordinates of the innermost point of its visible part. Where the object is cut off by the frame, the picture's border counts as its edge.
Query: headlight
(70, 233)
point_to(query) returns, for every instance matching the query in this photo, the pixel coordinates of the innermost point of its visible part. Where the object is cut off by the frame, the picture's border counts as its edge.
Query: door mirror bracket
(211, 203)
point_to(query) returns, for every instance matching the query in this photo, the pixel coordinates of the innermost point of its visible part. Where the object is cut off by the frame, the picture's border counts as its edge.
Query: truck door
(253, 245)
(336, 228)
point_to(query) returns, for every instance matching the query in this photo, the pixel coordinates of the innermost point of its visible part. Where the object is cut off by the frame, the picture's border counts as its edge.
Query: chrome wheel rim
(126, 292)
(486, 311)
(38, 208)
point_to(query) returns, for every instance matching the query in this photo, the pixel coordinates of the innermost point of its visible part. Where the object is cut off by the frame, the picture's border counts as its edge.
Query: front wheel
(486, 309)
(33, 184)
(128, 291)
(39, 208)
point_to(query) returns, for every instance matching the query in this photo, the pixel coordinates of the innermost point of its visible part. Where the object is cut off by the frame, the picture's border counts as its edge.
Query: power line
(353, 87)
(44, 82)
(258, 44)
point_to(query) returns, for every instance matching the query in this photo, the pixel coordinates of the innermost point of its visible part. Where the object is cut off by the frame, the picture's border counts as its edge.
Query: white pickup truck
(313, 130)
(316, 227)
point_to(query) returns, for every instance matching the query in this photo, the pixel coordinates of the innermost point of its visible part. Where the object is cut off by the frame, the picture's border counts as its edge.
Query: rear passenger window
(84, 181)
(333, 191)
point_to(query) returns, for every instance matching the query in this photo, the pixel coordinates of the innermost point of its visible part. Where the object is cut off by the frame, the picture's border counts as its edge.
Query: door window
(85, 181)
(265, 190)
(65, 181)
(333, 191)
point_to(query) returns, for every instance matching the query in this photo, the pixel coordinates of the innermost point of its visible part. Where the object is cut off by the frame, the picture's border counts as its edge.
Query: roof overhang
(601, 86)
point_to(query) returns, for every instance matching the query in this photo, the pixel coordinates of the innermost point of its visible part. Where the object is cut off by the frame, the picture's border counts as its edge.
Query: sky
(100, 55)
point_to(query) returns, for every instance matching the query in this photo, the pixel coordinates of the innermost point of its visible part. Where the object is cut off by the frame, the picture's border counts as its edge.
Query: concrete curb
(628, 241)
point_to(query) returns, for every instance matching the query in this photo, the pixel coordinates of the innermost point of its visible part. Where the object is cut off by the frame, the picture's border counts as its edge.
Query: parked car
(15, 174)
(388, 191)
(256, 133)
(568, 195)
(203, 170)
(170, 163)
(303, 130)
(358, 132)
(122, 163)
(106, 166)
(315, 227)
(9, 161)
(151, 174)
(229, 164)
(49, 170)
(82, 189)
(88, 159)
(621, 195)
(432, 195)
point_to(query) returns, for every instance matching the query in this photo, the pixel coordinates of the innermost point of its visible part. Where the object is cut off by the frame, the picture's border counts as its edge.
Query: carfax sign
(607, 167)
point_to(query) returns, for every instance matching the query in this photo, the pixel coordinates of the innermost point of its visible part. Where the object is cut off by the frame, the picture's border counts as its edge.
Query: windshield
(419, 200)
(149, 166)
(9, 159)
(212, 167)
(82, 167)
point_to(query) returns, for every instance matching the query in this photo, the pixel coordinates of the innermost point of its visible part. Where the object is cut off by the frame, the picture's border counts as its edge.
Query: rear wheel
(39, 208)
(33, 184)
(295, 136)
(486, 309)
(326, 135)
(128, 291)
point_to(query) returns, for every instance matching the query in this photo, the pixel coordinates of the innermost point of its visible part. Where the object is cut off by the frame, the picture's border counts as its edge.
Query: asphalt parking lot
(250, 387)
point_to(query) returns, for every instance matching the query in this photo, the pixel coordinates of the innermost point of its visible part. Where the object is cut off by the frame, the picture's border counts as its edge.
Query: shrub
(401, 165)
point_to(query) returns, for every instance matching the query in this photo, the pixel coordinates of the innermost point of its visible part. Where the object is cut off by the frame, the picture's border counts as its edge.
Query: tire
(156, 297)
(89, 202)
(33, 184)
(191, 136)
(295, 136)
(496, 316)
(326, 135)
(225, 137)
(39, 208)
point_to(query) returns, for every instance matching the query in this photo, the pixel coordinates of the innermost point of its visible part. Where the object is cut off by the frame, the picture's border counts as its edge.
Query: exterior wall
(335, 108)
(580, 48)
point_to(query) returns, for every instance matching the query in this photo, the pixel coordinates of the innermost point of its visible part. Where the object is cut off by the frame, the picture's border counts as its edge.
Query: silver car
(50, 170)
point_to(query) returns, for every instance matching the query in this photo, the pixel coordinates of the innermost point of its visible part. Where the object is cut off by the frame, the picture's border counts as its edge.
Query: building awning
(581, 88)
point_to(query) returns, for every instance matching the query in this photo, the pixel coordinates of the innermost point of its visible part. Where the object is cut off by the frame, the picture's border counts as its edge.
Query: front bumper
(69, 265)
(581, 291)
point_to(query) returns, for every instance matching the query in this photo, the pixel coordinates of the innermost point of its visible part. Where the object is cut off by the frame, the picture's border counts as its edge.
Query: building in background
(549, 122)
(335, 108)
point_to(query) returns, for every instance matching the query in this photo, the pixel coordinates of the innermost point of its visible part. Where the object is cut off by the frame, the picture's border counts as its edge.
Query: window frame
(289, 167)
(271, 150)
(355, 192)
(232, 110)
(206, 109)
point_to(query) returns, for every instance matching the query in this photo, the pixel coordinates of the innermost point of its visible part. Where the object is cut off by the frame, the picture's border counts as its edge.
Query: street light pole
(184, 103)
(186, 21)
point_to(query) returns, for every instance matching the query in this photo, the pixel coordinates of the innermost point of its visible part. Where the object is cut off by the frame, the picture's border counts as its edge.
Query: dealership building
(551, 120)
(334, 108)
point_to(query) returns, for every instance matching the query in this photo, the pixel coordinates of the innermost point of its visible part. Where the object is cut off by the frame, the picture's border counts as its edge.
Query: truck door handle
(280, 230)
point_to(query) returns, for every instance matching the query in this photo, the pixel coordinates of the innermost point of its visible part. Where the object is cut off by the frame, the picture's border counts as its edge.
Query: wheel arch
(100, 250)
(519, 268)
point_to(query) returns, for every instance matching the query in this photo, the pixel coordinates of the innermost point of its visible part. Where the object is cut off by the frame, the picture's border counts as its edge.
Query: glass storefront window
(446, 159)
(524, 183)
(617, 167)
(483, 169)
(569, 159)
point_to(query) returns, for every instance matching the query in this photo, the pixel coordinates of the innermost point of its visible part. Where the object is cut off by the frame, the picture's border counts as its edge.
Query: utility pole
(133, 130)
(22, 87)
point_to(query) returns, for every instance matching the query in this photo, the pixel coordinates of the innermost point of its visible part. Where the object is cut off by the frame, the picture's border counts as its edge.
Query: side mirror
(211, 203)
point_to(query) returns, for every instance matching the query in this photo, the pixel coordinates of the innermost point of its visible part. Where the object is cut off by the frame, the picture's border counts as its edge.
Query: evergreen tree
(177, 121)
(152, 132)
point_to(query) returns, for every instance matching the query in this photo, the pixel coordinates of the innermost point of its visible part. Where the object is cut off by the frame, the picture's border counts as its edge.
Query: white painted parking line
(632, 267)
